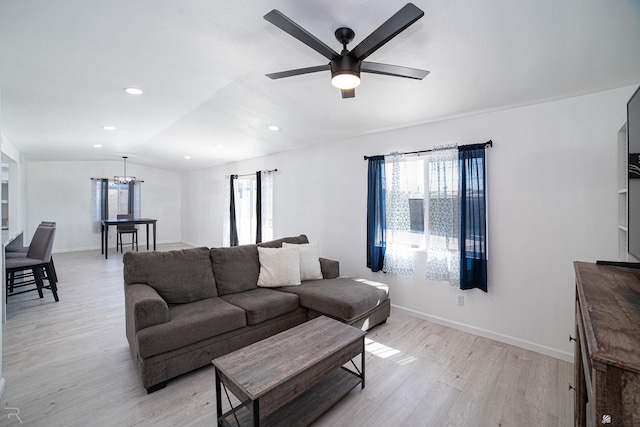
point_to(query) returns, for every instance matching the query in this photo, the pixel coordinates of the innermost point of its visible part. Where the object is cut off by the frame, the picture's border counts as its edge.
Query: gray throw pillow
(236, 269)
(178, 276)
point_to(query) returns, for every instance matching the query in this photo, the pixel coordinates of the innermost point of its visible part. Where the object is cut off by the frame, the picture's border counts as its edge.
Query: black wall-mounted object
(633, 188)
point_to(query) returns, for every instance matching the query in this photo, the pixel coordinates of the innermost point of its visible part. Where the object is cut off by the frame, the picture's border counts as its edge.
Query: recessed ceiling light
(97, 145)
(273, 127)
(133, 90)
(187, 157)
(109, 127)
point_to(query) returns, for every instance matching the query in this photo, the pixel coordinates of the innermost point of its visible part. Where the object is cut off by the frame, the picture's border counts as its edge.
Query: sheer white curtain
(137, 200)
(443, 256)
(98, 186)
(397, 257)
(226, 218)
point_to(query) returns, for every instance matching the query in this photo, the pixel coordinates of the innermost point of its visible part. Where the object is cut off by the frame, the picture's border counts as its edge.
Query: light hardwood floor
(68, 364)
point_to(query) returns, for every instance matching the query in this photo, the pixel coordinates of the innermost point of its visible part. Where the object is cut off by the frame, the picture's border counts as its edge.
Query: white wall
(552, 200)
(203, 199)
(61, 192)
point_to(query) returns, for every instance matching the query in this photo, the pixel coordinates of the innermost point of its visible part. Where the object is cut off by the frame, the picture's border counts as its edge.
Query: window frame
(422, 182)
(246, 236)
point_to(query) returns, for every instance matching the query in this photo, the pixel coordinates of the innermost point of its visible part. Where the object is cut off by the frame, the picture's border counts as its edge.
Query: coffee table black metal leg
(218, 398)
(256, 413)
(148, 238)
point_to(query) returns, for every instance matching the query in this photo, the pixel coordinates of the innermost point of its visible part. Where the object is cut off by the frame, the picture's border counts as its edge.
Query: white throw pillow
(278, 267)
(309, 260)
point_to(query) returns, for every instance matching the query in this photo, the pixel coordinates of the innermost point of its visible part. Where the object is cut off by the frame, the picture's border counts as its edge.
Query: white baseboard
(538, 348)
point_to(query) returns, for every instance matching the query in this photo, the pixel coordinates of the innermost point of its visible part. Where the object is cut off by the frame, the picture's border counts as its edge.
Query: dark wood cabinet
(607, 350)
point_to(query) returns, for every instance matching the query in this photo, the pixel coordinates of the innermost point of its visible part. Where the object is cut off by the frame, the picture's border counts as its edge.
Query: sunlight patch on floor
(384, 352)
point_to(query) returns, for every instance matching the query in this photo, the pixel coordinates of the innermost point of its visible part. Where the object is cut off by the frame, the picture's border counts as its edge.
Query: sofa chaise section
(357, 302)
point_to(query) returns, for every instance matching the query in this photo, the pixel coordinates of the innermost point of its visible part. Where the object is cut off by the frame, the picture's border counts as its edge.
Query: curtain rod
(253, 174)
(489, 143)
(109, 179)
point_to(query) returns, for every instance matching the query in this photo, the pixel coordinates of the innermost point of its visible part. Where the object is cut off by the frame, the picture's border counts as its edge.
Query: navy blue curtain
(376, 221)
(233, 228)
(473, 217)
(131, 201)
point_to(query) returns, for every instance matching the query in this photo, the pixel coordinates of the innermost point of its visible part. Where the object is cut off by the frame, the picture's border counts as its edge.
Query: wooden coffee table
(290, 378)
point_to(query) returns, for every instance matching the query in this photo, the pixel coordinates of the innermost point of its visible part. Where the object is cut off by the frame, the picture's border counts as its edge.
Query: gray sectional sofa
(184, 308)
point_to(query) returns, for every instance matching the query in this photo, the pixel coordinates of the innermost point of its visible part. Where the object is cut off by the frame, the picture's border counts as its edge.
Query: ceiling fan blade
(406, 16)
(297, 72)
(348, 93)
(288, 26)
(393, 70)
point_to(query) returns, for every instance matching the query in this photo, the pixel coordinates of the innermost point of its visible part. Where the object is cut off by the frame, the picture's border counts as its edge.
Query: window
(413, 176)
(402, 215)
(108, 199)
(405, 192)
(246, 212)
(118, 196)
(251, 205)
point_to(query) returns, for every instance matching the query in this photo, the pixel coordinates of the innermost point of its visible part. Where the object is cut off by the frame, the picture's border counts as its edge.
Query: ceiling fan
(346, 66)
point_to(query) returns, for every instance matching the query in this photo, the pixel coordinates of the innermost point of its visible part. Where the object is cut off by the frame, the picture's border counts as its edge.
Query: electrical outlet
(460, 299)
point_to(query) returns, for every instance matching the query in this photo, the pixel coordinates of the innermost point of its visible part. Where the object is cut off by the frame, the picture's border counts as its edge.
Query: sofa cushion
(279, 267)
(236, 269)
(190, 323)
(278, 243)
(179, 276)
(309, 260)
(263, 304)
(342, 298)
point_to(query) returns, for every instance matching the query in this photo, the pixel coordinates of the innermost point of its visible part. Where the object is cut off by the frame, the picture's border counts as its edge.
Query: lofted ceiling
(202, 66)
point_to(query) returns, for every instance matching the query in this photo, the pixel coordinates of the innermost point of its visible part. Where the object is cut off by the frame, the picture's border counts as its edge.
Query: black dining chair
(127, 229)
(35, 267)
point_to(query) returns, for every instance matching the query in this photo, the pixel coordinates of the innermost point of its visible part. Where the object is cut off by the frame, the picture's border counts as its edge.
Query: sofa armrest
(330, 268)
(143, 308)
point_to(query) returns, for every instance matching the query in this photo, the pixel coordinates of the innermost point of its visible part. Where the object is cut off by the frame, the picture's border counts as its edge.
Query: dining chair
(21, 251)
(127, 229)
(35, 267)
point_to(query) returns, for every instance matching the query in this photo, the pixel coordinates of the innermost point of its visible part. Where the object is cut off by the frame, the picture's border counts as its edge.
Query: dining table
(106, 223)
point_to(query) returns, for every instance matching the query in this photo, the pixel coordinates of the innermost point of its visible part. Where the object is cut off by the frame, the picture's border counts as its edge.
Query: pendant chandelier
(125, 179)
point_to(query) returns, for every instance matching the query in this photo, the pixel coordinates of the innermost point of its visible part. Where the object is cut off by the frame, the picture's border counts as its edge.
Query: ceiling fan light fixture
(345, 72)
(345, 80)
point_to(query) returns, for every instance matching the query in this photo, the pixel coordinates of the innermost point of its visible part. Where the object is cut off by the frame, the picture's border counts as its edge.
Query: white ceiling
(202, 65)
